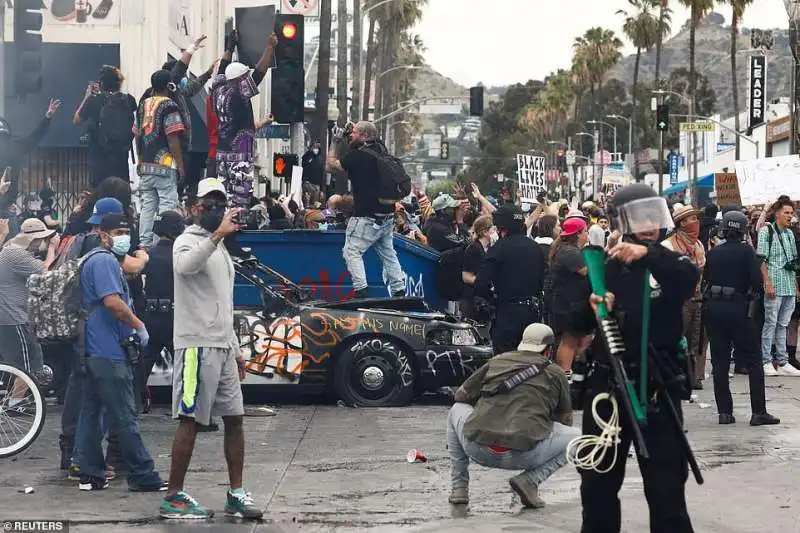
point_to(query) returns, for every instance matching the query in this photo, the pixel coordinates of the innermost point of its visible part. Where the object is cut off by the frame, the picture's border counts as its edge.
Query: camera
(249, 220)
(348, 130)
(132, 347)
(791, 266)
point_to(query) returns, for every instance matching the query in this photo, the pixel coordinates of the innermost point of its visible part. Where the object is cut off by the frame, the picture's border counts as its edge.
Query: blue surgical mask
(122, 243)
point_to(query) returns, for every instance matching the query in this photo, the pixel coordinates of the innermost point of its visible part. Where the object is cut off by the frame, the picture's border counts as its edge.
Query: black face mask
(212, 217)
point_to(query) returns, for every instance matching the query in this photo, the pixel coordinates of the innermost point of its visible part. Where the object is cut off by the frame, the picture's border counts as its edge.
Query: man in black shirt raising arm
(372, 222)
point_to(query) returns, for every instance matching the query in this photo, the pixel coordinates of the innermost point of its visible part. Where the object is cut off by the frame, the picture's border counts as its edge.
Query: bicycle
(21, 400)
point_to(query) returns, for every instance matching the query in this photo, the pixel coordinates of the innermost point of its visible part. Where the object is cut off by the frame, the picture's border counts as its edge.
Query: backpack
(449, 283)
(394, 183)
(115, 126)
(55, 307)
(75, 247)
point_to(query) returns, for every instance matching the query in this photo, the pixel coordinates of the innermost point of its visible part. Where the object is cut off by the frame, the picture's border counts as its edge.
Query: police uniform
(670, 280)
(731, 283)
(158, 301)
(513, 270)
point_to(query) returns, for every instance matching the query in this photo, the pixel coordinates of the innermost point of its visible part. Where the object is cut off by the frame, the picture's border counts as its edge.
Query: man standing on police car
(640, 261)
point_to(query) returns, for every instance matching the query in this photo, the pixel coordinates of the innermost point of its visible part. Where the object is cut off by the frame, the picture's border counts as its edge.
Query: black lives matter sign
(757, 98)
(531, 175)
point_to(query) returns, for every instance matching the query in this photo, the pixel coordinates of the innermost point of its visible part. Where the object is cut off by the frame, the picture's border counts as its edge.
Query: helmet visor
(645, 215)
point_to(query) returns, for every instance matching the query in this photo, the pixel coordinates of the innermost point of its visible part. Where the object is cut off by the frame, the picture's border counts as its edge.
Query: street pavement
(339, 469)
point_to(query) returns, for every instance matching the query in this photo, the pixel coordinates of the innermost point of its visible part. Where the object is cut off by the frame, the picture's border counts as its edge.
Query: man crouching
(512, 413)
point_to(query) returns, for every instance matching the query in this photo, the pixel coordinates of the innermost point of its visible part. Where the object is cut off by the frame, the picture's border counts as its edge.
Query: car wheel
(374, 372)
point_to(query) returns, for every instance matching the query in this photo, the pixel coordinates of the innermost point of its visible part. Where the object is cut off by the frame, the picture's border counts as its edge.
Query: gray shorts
(19, 348)
(205, 382)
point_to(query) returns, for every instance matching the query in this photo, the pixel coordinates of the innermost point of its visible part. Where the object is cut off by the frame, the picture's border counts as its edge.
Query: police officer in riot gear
(514, 270)
(731, 283)
(637, 266)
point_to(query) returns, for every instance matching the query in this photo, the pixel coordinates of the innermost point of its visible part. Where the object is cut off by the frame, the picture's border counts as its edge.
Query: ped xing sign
(699, 126)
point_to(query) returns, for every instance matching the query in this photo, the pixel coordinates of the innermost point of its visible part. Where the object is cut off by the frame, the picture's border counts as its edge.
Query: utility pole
(2, 58)
(660, 163)
(356, 51)
(693, 150)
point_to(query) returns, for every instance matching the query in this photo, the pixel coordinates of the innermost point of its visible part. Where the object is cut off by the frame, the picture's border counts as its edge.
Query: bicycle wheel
(22, 410)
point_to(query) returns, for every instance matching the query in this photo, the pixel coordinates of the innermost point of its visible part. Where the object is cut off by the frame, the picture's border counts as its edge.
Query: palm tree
(596, 52)
(355, 109)
(368, 66)
(738, 7)
(341, 62)
(323, 68)
(642, 28)
(698, 10)
(665, 24)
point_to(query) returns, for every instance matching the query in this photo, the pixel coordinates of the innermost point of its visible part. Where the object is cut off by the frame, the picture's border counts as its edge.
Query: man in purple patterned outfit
(231, 95)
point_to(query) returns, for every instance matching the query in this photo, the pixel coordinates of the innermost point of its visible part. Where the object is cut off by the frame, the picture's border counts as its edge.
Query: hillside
(713, 61)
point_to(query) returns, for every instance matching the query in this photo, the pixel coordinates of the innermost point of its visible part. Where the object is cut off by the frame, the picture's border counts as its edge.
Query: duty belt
(721, 292)
(158, 305)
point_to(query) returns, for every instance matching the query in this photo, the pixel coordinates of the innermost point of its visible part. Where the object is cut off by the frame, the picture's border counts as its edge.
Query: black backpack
(115, 125)
(449, 283)
(394, 183)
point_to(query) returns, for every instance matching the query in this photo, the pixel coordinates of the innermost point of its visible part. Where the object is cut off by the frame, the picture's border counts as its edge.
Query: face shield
(643, 216)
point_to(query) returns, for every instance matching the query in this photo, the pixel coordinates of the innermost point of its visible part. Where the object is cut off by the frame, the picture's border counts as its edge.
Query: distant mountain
(713, 60)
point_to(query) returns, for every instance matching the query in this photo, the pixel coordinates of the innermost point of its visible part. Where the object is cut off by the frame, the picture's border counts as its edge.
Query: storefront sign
(757, 97)
(778, 130)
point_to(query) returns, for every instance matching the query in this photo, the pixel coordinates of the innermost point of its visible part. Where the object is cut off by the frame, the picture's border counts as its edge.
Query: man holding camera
(372, 222)
(208, 366)
(114, 336)
(777, 252)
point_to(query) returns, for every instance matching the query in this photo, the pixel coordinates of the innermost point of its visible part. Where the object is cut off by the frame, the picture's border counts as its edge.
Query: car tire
(374, 372)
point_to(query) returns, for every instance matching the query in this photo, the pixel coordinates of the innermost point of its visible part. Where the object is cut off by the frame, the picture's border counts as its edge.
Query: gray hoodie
(203, 292)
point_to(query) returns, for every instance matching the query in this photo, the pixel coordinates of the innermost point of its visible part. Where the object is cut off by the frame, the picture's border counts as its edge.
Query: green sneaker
(183, 507)
(240, 505)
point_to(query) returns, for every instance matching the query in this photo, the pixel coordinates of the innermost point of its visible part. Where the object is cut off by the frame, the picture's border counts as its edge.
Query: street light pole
(630, 129)
(594, 157)
(614, 128)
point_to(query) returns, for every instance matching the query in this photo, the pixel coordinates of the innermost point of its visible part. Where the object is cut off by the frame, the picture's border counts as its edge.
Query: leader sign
(531, 175)
(757, 99)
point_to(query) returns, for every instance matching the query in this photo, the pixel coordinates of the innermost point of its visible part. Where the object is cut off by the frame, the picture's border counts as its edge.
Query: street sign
(674, 163)
(307, 8)
(571, 156)
(699, 126)
(274, 131)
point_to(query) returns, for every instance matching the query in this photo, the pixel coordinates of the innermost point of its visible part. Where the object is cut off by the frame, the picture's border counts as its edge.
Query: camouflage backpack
(55, 308)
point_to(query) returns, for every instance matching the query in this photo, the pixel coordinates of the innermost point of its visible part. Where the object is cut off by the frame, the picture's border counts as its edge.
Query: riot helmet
(734, 225)
(640, 213)
(509, 218)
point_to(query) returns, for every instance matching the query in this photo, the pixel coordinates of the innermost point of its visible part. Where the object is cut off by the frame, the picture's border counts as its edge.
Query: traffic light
(444, 150)
(28, 46)
(662, 117)
(288, 78)
(476, 101)
(282, 165)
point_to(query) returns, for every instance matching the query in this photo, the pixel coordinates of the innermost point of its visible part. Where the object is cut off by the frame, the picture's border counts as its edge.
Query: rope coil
(588, 452)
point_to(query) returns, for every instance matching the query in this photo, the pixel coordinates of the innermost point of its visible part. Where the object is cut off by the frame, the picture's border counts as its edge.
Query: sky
(516, 40)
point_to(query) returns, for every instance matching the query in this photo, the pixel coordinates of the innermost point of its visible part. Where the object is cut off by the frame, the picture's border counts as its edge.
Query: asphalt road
(338, 469)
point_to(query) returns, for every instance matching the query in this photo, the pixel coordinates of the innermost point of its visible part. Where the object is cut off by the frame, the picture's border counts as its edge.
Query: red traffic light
(289, 31)
(280, 166)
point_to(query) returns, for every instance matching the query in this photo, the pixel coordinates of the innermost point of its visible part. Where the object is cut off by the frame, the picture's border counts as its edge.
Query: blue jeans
(538, 464)
(777, 314)
(364, 233)
(157, 194)
(109, 384)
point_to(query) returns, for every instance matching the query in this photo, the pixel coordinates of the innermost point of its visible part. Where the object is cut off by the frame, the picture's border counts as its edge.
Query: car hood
(404, 305)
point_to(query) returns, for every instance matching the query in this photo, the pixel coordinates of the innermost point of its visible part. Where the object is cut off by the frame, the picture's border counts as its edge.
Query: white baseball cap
(236, 70)
(209, 185)
(536, 338)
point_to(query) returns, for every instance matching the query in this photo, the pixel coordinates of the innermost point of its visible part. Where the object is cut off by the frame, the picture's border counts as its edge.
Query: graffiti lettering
(460, 365)
(371, 323)
(415, 288)
(407, 327)
(380, 346)
(272, 349)
(323, 288)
